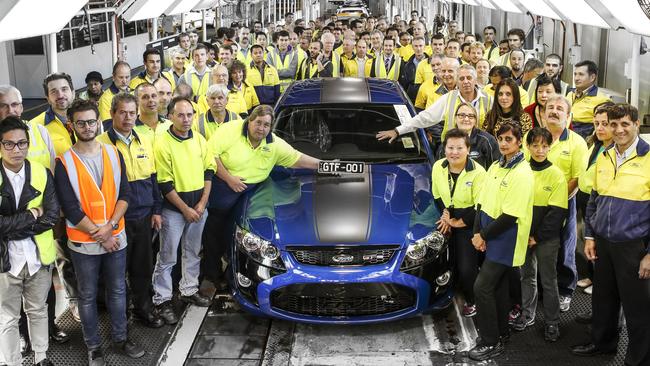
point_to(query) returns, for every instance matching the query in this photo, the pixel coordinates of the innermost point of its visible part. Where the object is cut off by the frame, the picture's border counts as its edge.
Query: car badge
(343, 258)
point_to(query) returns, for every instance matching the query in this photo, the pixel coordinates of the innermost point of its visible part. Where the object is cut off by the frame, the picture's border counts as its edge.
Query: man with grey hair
(444, 109)
(217, 114)
(178, 61)
(328, 54)
(376, 39)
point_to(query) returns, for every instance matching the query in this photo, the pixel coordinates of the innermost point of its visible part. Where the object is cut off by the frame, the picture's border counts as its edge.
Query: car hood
(389, 204)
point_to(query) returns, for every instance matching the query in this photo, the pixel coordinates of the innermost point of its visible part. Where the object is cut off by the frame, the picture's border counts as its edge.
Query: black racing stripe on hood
(342, 208)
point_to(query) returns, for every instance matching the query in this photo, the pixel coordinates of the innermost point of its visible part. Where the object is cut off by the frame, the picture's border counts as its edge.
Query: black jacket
(17, 224)
(407, 77)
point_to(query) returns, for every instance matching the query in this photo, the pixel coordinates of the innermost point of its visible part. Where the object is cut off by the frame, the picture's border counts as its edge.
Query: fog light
(243, 280)
(443, 279)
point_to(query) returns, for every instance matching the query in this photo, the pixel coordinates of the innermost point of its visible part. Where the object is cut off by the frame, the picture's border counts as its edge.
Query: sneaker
(129, 348)
(585, 282)
(74, 310)
(469, 310)
(484, 352)
(551, 332)
(514, 314)
(96, 358)
(584, 318)
(522, 323)
(197, 299)
(166, 312)
(565, 303)
(589, 290)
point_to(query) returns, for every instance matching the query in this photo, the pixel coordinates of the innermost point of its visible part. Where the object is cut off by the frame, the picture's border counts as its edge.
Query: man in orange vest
(93, 189)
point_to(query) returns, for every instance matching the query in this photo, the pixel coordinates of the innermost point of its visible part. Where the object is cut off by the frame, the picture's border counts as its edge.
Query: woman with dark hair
(501, 229)
(242, 97)
(545, 88)
(507, 108)
(456, 182)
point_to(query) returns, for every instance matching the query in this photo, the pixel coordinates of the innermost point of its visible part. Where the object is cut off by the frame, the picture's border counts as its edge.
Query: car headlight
(424, 250)
(259, 250)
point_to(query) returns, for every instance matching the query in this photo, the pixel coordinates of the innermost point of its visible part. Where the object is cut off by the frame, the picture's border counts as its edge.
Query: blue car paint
(280, 210)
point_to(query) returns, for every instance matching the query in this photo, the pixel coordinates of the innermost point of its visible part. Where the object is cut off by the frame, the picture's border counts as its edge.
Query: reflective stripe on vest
(202, 120)
(45, 240)
(393, 73)
(97, 203)
(450, 110)
(38, 150)
(279, 65)
(198, 86)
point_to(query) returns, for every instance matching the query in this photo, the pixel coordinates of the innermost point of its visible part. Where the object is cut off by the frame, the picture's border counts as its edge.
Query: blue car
(355, 242)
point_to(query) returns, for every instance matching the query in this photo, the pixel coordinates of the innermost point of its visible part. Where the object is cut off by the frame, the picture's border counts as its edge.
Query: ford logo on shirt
(343, 258)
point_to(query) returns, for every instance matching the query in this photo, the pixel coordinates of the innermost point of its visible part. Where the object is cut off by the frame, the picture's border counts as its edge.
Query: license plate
(341, 167)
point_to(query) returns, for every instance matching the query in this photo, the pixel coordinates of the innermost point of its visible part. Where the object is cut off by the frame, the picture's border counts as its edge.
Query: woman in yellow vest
(501, 230)
(242, 97)
(456, 183)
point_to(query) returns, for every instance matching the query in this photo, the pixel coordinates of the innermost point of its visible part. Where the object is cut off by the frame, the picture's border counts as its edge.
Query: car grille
(344, 256)
(356, 299)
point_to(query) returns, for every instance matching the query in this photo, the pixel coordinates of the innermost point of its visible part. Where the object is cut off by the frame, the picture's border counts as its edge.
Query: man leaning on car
(245, 153)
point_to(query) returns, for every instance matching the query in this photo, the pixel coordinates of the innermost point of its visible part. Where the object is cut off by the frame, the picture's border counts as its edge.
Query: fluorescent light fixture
(181, 6)
(486, 4)
(457, 1)
(471, 2)
(578, 11)
(206, 4)
(507, 5)
(143, 9)
(30, 18)
(629, 14)
(538, 7)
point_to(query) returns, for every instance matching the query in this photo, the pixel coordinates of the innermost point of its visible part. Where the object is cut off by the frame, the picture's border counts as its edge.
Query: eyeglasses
(90, 123)
(10, 145)
(465, 116)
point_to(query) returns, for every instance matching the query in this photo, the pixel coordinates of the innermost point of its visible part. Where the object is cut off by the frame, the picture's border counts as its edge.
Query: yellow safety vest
(199, 86)
(380, 68)
(38, 150)
(206, 131)
(453, 101)
(45, 240)
(280, 65)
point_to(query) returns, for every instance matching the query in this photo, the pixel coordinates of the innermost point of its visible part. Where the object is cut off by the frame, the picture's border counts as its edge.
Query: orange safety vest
(98, 204)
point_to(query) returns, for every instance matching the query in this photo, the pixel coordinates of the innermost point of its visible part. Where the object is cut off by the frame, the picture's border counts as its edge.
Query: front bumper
(341, 294)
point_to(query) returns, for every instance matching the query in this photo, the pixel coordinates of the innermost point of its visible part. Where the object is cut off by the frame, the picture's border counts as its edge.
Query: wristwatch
(113, 224)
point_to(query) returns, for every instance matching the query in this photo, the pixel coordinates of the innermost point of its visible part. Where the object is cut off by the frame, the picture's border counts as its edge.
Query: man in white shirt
(28, 211)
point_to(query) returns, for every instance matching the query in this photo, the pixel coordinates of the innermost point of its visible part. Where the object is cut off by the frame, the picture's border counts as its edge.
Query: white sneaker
(565, 303)
(589, 290)
(584, 283)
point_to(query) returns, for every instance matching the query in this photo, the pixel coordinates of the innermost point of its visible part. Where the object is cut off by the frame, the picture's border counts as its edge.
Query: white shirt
(620, 158)
(361, 67)
(23, 251)
(436, 113)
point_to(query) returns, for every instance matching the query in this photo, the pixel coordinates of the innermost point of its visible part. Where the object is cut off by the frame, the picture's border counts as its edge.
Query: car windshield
(347, 133)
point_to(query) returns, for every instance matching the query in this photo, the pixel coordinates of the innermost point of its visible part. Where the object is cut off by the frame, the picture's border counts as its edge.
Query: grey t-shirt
(95, 165)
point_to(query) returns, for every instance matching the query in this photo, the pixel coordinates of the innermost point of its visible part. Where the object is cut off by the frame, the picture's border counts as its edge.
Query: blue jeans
(113, 268)
(567, 272)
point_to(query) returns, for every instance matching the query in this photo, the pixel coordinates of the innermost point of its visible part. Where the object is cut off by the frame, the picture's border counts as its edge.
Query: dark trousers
(468, 260)
(583, 129)
(567, 272)
(492, 300)
(139, 259)
(616, 281)
(216, 230)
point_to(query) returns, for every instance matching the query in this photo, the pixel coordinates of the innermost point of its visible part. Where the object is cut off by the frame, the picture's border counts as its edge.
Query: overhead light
(486, 4)
(206, 4)
(578, 11)
(29, 18)
(143, 9)
(181, 6)
(471, 2)
(629, 14)
(537, 7)
(507, 5)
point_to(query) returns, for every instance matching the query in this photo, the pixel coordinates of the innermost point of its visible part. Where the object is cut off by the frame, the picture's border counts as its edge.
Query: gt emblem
(343, 258)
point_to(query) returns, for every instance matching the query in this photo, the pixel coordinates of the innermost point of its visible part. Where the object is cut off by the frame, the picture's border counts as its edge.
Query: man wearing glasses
(93, 188)
(28, 212)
